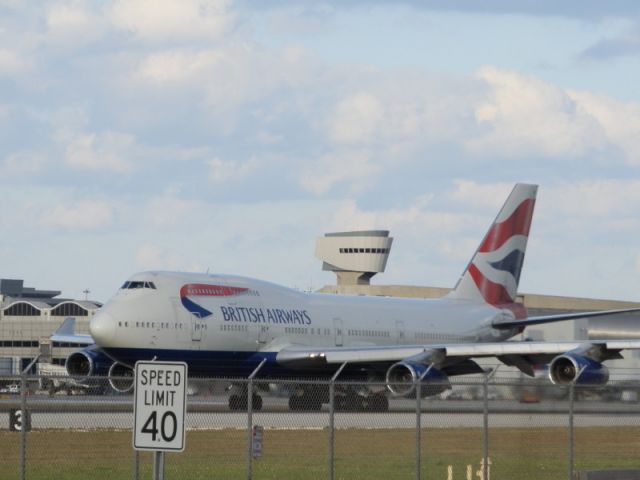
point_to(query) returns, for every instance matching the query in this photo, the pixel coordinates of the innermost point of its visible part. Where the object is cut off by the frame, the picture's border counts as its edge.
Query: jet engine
(121, 377)
(87, 362)
(568, 368)
(402, 376)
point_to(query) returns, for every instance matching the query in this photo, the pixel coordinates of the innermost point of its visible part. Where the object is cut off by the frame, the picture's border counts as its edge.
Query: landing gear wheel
(300, 403)
(349, 403)
(234, 402)
(315, 405)
(239, 402)
(379, 403)
(294, 403)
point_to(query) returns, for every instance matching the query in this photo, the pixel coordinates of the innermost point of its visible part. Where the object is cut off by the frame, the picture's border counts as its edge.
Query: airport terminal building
(29, 316)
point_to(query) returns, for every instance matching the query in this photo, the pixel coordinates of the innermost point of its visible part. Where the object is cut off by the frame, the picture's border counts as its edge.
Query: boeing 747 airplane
(224, 325)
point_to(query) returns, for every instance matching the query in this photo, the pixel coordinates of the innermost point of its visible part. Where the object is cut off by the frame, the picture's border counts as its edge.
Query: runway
(85, 412)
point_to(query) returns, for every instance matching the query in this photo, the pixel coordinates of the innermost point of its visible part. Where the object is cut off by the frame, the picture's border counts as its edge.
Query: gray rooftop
(15, 288)
(360, 233)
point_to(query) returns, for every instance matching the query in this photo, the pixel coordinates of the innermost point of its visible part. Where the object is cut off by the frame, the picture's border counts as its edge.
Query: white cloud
(82, 215)
(233, 81)
(267, 138)
(74, 24)
(301, 18)
(223, 171)
(348, 216)
(523, 115)
(177, 67)
(401, 115)
(356, 119)
(108, 151)
(12, 63)
(22, 164)
(354, 168)
(152, 257)
(495, 114)
(619, 120)
(174, 20)
(483, 195)
(169, 211)
(607, 199)
(418, 219)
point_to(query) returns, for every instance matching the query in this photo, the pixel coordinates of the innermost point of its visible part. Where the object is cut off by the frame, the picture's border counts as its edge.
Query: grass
(531, 453)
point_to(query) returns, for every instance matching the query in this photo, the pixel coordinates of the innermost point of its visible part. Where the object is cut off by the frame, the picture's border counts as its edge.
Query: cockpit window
(136, 284)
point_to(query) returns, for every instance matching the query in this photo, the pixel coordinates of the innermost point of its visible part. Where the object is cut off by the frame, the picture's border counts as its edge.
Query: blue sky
(227, 135)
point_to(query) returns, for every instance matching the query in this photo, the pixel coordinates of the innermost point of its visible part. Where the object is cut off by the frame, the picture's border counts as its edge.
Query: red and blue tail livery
(494, 270)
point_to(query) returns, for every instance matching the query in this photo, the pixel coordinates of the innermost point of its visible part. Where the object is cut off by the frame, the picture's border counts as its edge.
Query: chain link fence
(481, 428)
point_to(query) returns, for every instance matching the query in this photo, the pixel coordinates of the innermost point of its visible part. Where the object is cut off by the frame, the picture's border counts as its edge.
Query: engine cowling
(569, 368)
(402, 377)
(121, 377)
(87, 362)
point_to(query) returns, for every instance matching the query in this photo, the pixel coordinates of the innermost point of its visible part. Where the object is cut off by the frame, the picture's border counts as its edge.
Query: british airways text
(267, 315)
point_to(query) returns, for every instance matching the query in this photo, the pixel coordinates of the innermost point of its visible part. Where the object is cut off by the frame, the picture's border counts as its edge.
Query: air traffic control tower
(355, 257)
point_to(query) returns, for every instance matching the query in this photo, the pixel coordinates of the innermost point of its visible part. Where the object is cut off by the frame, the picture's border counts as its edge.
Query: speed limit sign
(160, 405)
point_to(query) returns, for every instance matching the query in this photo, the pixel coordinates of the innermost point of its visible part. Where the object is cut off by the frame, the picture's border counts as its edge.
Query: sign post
(159, 409)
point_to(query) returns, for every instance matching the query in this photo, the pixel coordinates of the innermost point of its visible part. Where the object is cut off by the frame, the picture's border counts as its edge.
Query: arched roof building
(29, 316)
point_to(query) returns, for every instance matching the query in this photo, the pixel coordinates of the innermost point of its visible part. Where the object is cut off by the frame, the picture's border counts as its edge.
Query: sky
(226, 136)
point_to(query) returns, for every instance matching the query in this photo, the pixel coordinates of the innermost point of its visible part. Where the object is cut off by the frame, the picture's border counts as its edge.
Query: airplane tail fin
(493, 273)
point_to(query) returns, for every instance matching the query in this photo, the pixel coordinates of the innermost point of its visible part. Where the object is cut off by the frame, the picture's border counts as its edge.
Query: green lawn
(532, 453)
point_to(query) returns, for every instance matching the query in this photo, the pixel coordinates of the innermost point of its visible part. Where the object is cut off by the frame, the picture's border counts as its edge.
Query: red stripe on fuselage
(517, 224)
(204, 290)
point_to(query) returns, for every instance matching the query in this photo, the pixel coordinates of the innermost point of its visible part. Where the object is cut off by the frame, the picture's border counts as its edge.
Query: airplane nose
(102, 328)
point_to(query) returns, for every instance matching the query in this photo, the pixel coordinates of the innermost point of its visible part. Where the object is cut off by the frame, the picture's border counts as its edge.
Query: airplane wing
(66, 334)
(521, 354)
(507, 324)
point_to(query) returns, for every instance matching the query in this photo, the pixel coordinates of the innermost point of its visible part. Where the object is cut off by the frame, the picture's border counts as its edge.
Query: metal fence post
(418, 389)
(250, 418)
(571, 402)
(26, 420)
(332, 409)
(418, 382)
(250, 428)
(23, 430)
(485, 427)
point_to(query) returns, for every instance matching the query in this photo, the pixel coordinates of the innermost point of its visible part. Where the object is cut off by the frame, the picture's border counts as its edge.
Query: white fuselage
(200, 316)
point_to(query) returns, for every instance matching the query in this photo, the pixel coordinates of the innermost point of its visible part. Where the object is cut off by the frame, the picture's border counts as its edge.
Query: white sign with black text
(160, 406)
